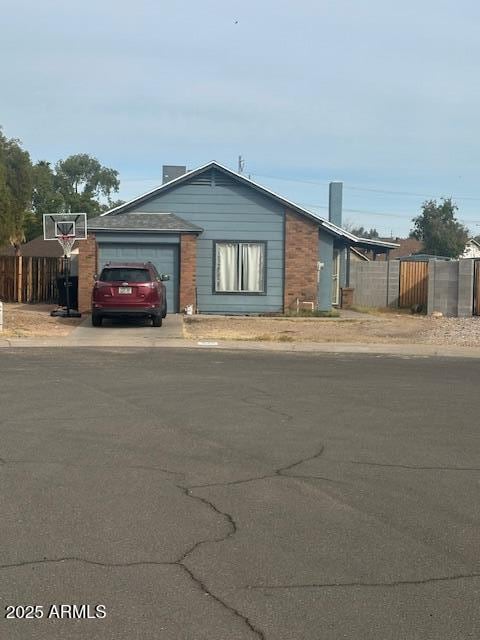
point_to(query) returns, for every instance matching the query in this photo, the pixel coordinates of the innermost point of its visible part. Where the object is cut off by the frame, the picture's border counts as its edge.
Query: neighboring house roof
(7, 250)
(422, 257)
(37, 248)
(329, 227)
(404, 247)
(166, 222)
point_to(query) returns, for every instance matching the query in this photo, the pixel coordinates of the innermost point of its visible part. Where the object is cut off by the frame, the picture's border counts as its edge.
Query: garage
(163, 256)
(164, 239)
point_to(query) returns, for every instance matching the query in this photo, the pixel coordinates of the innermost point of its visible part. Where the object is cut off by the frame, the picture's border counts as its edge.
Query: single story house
(472, 249)
(230, 245)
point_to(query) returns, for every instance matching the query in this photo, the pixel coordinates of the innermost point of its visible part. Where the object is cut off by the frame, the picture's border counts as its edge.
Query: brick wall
(87, 268)
(301, 257)
(188, 270)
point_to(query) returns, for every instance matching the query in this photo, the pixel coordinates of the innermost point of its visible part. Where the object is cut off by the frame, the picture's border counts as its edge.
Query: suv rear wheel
(164, 312)
(96, 320)
(157, 321)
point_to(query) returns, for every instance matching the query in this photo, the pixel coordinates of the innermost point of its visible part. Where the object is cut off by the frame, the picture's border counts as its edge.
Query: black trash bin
(73, 292)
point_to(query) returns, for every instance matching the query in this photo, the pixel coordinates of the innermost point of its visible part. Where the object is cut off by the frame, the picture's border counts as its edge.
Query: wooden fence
(413, 284)
(29, 279)
(476, 288)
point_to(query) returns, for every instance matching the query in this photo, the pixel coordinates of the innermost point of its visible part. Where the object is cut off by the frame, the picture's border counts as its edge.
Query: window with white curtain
(239, 267)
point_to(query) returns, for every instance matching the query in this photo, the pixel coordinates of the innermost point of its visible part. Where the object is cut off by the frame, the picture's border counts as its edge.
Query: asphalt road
(207, 495)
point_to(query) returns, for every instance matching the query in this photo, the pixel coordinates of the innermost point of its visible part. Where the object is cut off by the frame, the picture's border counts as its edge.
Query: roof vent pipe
(335, 191)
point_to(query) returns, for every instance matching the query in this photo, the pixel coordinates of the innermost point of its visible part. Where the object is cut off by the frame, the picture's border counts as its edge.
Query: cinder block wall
(450, 287)
(375, 284)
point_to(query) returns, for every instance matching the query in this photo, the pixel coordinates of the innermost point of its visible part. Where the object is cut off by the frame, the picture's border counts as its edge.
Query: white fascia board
(137, 230)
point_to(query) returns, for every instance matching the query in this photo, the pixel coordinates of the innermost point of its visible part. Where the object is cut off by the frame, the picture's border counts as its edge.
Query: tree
(360, 231)
(76, 184)
(82, 180)
(15, 190)
(112, 204)
(363, 233)
(45, 198)
(439, 230)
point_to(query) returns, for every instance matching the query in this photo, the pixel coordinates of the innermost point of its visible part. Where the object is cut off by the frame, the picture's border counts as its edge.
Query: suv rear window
(125, 275)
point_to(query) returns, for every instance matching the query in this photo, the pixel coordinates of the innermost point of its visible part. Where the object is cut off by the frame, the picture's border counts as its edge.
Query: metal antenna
(241, 164)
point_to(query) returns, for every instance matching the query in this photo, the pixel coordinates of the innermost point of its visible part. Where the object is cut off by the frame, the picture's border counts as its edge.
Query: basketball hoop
(67, 243)
(66, 228)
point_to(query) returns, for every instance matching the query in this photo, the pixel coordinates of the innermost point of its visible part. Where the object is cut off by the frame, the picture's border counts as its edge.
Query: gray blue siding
(227, 210)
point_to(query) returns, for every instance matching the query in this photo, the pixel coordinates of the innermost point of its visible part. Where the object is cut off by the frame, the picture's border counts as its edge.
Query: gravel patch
(462, 332)
(386, 329)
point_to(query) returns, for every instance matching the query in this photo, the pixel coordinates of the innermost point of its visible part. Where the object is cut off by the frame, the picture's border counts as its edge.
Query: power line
(403, 216)
(315, 182)
(406, 193)
(368, 189)
(364, 212)
(368, 213)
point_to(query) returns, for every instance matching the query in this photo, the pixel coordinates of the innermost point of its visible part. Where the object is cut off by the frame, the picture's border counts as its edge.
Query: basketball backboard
(64, 225)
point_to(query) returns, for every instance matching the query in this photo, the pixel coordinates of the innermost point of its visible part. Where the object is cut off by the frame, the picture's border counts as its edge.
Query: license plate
(124, 289)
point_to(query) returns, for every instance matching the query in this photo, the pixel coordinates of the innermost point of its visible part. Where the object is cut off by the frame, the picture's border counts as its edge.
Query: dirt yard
(29, 320)
(352, 328)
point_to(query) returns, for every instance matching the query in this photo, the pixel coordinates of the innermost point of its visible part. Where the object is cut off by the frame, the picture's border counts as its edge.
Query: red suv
(129, 289)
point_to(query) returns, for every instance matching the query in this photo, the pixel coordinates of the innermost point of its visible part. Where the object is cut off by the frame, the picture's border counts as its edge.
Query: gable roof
(165, 222)
(328, 226)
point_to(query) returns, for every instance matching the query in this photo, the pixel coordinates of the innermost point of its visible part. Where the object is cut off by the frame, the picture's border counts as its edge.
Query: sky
(381, 95)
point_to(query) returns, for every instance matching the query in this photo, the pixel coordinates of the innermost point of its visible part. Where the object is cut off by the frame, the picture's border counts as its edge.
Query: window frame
(110, 268)
(214, 268)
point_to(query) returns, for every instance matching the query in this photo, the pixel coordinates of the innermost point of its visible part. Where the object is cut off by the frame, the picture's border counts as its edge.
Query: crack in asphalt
(6, 461)
(179, 562)
(277, 473)
(408, 466)
(393, 583)
(235, 612)
(121, 565)
(281, 470)
(251, 401)
(232, 530)
(232, 525)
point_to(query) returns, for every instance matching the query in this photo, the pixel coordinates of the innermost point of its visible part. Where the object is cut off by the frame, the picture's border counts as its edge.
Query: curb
(409, 350)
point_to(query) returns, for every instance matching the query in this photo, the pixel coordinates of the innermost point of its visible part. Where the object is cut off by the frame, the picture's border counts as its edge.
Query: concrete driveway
(212, 495)
(131, 332)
